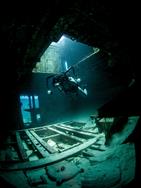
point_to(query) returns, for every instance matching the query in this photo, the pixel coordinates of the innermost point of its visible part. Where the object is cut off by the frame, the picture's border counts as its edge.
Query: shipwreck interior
(70, 95)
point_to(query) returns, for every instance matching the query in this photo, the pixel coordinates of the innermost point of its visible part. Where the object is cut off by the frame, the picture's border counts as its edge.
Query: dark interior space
(111, 75)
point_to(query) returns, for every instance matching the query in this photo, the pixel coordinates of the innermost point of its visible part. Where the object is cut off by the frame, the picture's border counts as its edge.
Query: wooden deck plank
(78, 129)
(44, 153)
(43, 143)
(81, 140)
(21, 149)
(80, 133)
(51, 136)
(51, 159)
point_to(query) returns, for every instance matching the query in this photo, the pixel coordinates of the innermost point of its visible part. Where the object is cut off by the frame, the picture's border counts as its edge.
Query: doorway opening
(30, 109)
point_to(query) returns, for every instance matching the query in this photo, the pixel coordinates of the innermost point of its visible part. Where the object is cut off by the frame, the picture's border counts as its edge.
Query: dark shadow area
(5, 183)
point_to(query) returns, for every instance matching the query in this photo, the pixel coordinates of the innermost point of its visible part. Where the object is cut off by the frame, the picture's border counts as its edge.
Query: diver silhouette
(65, 83)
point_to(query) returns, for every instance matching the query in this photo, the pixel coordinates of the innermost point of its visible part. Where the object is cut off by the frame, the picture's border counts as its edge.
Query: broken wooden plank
(21, 149)
(51, 136)
(38, 128)
(38, 146)
(51, 159)
(80, 140)
(81, 129)
(79, 133)
(76, 130)
(74, 145)
(98, 147)
(43, 143)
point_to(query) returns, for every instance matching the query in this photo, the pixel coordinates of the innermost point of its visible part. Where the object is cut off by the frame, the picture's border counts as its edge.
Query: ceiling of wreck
(27, 32)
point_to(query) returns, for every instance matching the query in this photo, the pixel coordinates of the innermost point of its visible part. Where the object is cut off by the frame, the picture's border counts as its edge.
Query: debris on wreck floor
(69, 154)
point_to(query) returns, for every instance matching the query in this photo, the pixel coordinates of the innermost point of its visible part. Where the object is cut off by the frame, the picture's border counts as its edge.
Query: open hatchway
(59, 81)
(70, 153)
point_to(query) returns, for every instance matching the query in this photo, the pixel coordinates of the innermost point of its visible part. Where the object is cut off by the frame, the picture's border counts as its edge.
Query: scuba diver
(65, 83)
